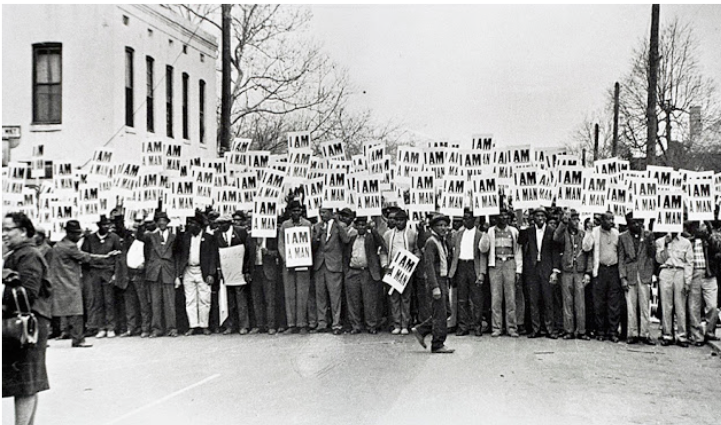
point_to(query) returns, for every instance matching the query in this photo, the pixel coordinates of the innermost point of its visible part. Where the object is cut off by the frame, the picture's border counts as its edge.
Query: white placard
(423, 192)
(368, 196)
(669, 217)
(401, 269)
(485, 195)
(298, 251)
(231, 264)
(265, 218)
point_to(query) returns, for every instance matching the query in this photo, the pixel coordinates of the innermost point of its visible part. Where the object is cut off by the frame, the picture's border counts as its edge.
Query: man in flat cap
(437, 261)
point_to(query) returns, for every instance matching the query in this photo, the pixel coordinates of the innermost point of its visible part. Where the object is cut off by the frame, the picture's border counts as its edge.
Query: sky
(529, 74)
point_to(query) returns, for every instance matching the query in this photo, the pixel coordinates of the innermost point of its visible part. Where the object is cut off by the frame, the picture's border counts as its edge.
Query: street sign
(11, 132)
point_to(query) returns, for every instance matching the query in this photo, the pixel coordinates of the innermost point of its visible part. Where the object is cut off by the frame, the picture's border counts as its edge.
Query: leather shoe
(173, 333)
(460, 332)
(243, 331)
(600, 338)
(355, 331)
(513, 334)
(254, 331)
(568, 336)
(337, 331)
(190, 332)
(271, 331)
(479, 332)
(584, 337)
(443, 350)
(614, 338)
(708, 338)
(419, 337)
(534, 335)
(681, 343)
(699, 343)
(495, 334)
(648, 341)
(156, 334)
(631, 340)
(289, 330)
(207, 331)
(227, 331)
(303, 331)
(373, 331)
(666, 342)
(553, 335)
(126, 334)
(83, 345)
(144, 334)
(63, 336)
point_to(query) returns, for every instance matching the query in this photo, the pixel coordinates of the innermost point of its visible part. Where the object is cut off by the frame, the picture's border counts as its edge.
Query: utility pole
(595, 143)
(651, 118)
(614, 145)
(225, 100)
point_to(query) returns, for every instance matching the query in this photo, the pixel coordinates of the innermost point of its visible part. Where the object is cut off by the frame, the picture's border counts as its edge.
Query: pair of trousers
(101, 312)
(503, 288)
(638, 308)
(607, 300)
(73, 326)
(197, 298)
(435, 324)
(540, 298)
(262, 291)
(362, 296)
(706, 289)
(673, 300)
(237, 308)
(401, 307)
(470, 297)
(328, 286)
(574, 303)
(297, 287)
(557, 295)
(137, 306)
(162, 300)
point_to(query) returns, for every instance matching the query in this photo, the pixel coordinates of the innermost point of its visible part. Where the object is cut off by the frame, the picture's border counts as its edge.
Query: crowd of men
(540, 274)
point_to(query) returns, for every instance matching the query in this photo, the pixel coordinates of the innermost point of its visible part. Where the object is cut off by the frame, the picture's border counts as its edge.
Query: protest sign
(547, 189)
(63, 179)
(246, 183)
(313, 196)
(662, 175)
(88, 204)
(297, 247)
(547, 158)
(434, 160)
(37, 162)
(298, 166)
(453, 195)
(644, 202)
(334, 189)
(483, 142)
(203, 186)
(618, 202)
(485, 200)
(178, 200)
(368, 196)
(408, 160)
(400, 270)
(152, 155)
(265, 218)
(333, 149)
(453, 164)
(172, 158)
(14, 182)
(423, 192)
(700, 197)
(241, 145)
(298, 140)
(570, 187)
(474, 161)
(594, 198)
(231, 264)
(567, 160)
(717, 187)
(271, 184)
(669, 216)
(359, 162)
(525, 188)
(101, 166)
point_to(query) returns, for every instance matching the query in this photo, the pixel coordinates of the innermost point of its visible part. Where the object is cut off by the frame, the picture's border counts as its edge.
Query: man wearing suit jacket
(296, 280)
(329, 239)
(538, 260)
(161, 275)
(363, 276)
(198, 265)
(468, 268)
(607, 288)
(226, 236)
(636, 264)
(264, 258)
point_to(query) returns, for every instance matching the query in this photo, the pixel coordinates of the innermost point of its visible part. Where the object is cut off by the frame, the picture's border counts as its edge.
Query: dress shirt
(398, 242)
(609, 248)
(329, 226)
(164, 235)
(358, 258)
(467, 239)
(228, 235)
(194, 254)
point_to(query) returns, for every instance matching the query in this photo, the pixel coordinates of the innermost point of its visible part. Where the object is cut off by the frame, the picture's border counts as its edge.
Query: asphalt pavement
(376, 379)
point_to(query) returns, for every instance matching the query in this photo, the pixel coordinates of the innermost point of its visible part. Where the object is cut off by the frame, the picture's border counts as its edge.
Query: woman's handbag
(23, 326)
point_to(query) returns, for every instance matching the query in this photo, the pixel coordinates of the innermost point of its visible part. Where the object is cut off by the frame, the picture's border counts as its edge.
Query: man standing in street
(607, 288)
(538, 261)
(401, 237)
(295, 279)
(100, 279)
(675, 255)
(161, 275)
(198, 265)
(468, 268)
(636, 264)
(505, 264)
(703, 286)
(226, 236)
(329, 239)
(363, 276)
(436, 260)
(576, 264)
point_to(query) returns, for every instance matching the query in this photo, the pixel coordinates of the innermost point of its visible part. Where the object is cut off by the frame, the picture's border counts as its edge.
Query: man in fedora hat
(100, 279)
(538, 269)
(161, 275)
(64, 276)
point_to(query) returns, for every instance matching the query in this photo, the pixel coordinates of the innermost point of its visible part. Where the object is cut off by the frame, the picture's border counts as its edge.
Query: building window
(202, 57)
(47, 83)
(126, 20)
(150, 32)
(185, 49)
(149, 97)
(169, 101)
(129, 87)
(201, 109)
(185, 106)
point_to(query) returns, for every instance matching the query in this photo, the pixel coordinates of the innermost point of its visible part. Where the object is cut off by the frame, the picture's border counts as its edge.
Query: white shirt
(164, 235)
(194, 254)
(329, 226)
(539, 239)
(228, 235)
(467, 239)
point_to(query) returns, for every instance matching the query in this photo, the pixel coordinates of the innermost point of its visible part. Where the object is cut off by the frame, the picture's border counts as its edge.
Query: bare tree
(681, 85)
(583, 137)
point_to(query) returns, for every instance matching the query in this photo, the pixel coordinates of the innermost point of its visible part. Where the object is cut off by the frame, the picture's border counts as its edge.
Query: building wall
(94, 38)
